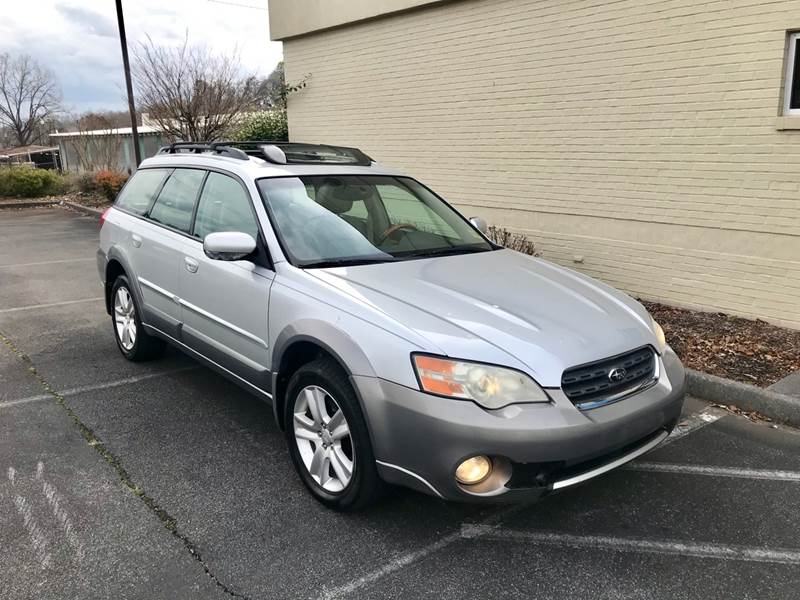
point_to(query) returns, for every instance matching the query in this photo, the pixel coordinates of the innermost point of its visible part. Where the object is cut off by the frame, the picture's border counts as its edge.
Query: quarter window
(792, 84)
(139, 192)
(224, 206)
(175, 203)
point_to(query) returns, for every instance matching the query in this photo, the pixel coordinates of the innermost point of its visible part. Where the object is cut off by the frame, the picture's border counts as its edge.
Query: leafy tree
(272, 91)
(263, 125)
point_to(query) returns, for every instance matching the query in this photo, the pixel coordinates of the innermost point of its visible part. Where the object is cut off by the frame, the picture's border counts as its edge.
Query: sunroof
(322, 154)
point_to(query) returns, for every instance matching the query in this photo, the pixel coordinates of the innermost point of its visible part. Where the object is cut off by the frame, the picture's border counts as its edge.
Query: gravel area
(753, 352)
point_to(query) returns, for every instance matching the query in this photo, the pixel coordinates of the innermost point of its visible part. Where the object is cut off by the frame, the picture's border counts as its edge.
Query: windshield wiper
(449, 251)
(345, 262)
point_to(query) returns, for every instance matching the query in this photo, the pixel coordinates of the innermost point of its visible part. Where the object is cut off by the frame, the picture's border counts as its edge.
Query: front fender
(335, 341)
(376, 355)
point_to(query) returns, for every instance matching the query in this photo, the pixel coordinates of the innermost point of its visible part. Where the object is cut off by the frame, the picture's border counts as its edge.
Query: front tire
(328, 438)
(132, 340)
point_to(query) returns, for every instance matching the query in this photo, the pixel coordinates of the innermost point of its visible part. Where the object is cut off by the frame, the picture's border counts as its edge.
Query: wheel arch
(117, 265)
(114, 269)
(297, 345)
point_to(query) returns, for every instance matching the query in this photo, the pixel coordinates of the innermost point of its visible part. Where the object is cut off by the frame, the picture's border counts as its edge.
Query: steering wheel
(394, 229)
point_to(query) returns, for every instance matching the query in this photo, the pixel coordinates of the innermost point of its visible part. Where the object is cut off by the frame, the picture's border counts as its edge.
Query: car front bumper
(420, 439)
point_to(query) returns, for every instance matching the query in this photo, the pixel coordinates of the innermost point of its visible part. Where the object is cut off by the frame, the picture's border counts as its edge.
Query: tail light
(103, 217)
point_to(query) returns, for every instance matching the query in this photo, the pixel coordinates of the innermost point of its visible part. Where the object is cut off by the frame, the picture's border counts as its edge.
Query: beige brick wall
(638, 134)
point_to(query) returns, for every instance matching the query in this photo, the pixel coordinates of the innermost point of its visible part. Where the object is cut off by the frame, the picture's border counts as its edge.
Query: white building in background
(105, 148)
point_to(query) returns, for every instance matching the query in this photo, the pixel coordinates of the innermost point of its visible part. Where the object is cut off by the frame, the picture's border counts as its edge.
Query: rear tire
(132, 340)
(328, 438)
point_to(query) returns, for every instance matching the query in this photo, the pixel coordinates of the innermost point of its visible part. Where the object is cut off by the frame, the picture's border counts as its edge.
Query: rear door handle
(190, 264)
(136, 240)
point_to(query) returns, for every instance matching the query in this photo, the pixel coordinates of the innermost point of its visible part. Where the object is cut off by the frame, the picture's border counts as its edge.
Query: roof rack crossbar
(199, 147)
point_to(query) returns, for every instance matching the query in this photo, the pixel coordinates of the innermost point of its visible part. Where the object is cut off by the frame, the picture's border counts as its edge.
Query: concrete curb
(27, 204)
(87, 210)
(778, 407)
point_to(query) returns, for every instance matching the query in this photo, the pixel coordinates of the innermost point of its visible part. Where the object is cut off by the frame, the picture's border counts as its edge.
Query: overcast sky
(78, 39)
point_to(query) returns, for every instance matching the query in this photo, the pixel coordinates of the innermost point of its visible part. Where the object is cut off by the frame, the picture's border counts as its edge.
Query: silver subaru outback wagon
(395, 342)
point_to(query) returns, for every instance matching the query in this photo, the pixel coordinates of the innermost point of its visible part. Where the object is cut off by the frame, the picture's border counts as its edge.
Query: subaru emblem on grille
(617, 375)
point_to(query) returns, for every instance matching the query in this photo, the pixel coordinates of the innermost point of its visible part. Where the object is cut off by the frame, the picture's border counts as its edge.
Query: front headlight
(662, 341)
(491, 387)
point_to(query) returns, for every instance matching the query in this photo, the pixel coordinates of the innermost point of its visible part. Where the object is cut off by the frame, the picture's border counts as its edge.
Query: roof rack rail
(276, 151)
(299, 153)
(223, 149)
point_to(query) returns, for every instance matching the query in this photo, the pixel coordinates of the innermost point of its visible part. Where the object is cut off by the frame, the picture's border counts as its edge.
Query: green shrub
(265, 125)
(27, 182)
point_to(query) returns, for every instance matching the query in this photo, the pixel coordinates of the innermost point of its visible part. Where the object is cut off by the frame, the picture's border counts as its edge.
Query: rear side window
(175, 203)
(139, 192)
(224, 206)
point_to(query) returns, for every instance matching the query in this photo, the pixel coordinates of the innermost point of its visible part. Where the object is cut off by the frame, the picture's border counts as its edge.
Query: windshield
(337, 220)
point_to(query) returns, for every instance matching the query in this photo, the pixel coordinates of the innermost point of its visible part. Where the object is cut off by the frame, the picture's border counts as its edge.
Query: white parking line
(678, 548)
(490, 525)
(27, 400)
(35, 306)
(409, 558)
(47, 262)
(97, 386)
(771, 475)
(694, 422)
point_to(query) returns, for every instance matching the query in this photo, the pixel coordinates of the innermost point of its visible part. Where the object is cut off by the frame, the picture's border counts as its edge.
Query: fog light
(474, 470)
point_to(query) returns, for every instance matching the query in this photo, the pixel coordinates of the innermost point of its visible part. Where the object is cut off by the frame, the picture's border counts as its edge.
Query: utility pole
(127, 66)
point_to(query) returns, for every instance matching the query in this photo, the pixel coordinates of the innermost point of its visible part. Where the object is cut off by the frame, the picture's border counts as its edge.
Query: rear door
(225, 304)
(157, 242)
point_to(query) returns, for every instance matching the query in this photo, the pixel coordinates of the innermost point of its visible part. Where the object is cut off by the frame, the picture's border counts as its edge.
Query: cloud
(91, 21)
(77, 40)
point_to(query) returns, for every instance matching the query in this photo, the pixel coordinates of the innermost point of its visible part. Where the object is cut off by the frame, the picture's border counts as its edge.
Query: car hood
(502, 307)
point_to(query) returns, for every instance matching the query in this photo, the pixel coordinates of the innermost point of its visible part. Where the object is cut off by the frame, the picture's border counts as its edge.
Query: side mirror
(480, 224)
(228, 245)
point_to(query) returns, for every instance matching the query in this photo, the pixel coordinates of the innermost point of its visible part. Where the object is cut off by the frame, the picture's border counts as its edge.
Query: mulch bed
(90, 200)
(752, 352)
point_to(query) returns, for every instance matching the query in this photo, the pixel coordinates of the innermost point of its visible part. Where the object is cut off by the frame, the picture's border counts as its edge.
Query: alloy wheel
(323, 438)
(125, 319)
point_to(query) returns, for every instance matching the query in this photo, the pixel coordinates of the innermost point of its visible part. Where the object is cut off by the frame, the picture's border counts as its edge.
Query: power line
(239, 5)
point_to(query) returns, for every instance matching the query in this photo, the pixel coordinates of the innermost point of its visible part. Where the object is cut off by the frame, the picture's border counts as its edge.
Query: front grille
(592, 383)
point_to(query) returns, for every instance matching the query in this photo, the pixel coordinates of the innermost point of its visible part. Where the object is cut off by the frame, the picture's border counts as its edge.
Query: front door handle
(136, 240)
(190, 264)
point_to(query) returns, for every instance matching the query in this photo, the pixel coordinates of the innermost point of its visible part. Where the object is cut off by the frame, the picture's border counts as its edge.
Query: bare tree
(191, 93)
(29, 97)
(96, 152)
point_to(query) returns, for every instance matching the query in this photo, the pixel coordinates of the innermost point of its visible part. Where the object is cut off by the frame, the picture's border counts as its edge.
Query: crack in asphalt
(169, 522)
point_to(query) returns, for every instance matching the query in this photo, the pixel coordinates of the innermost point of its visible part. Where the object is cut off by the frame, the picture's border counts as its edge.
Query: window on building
(792, 85)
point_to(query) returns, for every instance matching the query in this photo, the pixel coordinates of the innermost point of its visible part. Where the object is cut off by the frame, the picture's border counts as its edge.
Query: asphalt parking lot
(163, 480)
